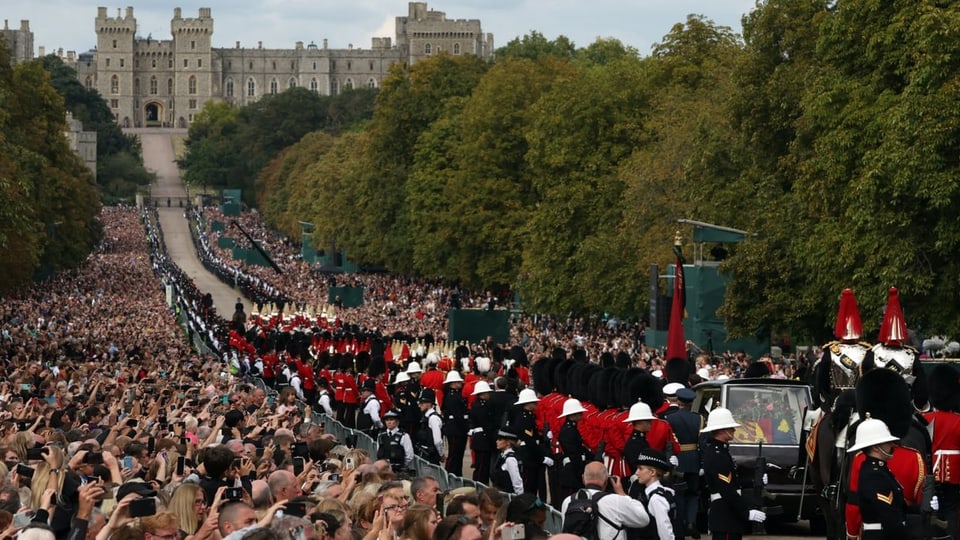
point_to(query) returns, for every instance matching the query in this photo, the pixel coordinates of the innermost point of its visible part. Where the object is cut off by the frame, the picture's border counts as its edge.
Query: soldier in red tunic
(945, 421)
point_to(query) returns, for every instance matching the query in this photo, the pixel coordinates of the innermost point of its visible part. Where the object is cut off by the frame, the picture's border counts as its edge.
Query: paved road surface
(158, 157)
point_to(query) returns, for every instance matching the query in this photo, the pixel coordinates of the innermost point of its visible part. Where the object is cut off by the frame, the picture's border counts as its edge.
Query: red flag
(676, 344)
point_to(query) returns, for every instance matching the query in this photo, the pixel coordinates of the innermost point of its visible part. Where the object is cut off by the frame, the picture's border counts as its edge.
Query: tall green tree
(535, 45)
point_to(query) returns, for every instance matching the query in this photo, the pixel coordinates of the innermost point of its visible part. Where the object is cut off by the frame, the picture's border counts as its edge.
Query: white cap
(719, 418)
(481, 388)
(703, 373)
(571, 406)
(413, 367)
(453, 376)
(527, 395)
(402, 377)
(639, 411)
(658, 373)
(670, 389)
(870, 432)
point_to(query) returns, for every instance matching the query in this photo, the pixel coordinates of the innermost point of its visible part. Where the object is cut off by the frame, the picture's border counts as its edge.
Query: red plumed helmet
(893, 330)
(848, 327)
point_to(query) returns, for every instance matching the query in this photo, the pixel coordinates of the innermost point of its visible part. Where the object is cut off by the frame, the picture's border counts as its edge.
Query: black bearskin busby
(518, 355)
(376, 367)
(623, 360)
(885, 395)
(561, 376)
(944, 388)
(542, 374)
(647, 388)
(677, 370)
(606, 360)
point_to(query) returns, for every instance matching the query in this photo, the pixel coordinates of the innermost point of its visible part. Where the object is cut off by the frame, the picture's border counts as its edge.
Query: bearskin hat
(579, 380)
(885, 395)
(944, 386)
(345, 362)
(542, 373)
(498, 355)
(377, 347)
(613, 390)
(606, 359)
(376, 367)
(757, 370)
(559, 353)
(623, 360)
(648, 389)
(580, 354)
(599, 388)
(363, 361)
(462, 351)
(560, 376)
(622, 392)
(677, 370)
(519, 355)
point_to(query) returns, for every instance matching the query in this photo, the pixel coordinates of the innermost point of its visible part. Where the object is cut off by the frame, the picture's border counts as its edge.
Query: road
(158, 157)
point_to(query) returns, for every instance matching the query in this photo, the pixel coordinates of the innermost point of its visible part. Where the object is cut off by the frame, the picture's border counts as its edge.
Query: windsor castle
(148, 82)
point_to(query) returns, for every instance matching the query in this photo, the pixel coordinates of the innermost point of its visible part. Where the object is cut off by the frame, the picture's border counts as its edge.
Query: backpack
(583, 516)
(671, 498)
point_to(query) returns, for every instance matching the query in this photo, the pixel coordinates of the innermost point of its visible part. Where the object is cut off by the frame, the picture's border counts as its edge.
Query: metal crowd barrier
(421, 467)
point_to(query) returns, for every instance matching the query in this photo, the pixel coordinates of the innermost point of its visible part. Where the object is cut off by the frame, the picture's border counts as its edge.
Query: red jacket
(907, 467)
(946, 446)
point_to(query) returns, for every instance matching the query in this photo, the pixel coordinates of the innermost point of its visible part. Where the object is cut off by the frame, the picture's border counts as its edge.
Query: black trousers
(456, 447)
(948, 495)
(481, 467)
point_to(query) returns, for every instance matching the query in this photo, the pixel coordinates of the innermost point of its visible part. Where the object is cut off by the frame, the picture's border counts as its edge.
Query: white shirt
(513, 469)
(436, 426)
(620, 509)
(659, 510)
(406, 444)
(324, 402)
(371, 408)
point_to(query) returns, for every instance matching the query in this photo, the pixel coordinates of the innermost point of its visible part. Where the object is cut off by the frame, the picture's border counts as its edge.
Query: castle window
(348, 85)
(349, 65)
(333, 88)
(170, 63)
(372, 83)
(153, 86)
(314, 65)
(170, 87)
(186, 62)
(136, 63)
(274, 64)
(114, 85)
(229, 87)
(192, 85)
(314, 87)
(108, 62)
(426, 49)
(154, 63)
(114, 103)
(251, 88)
(333, 65)
(199, 62)
(273, 86)
(88, 82)
(193, 104)
(293, 65)
(456, 48)
(250, 65)
(371, 65)
(136, 87)
(292, 83)
(193, 44)
(121, 62)
(114, 44)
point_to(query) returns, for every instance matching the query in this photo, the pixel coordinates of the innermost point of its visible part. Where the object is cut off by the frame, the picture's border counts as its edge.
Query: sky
(279, 24)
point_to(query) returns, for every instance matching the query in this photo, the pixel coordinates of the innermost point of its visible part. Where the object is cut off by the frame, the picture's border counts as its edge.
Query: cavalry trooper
(879, 495)
(729, 514)
(456, 421)
(686, 426)
(394, 445)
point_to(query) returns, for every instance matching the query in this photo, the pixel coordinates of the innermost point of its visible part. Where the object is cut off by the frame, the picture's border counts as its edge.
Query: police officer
(368, 421)
(505, 474)
(483, 426)
(880, 496)
(523, 423)
(429, 443)
(456, 421)
(573, 453)
(394, 445)
(729, 514)
(686, 426)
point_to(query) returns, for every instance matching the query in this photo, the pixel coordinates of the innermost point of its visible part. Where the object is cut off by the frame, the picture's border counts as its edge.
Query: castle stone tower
(194, 82)
(115, 47)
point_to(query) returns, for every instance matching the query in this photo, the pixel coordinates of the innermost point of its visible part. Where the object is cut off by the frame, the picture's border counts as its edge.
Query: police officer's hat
(686, 395)
(504, 434)
(427, 395)
(369, 385)
(653, 458)
(391, 413)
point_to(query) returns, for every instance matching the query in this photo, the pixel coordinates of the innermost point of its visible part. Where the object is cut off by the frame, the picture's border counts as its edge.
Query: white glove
(758, 516)
(550, 435)
(674, 461)
(766, 479)
(702, 472)
(935, 503)
(548, 461)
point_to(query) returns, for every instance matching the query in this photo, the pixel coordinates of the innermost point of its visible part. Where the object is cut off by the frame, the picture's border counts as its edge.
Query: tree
(534, 46)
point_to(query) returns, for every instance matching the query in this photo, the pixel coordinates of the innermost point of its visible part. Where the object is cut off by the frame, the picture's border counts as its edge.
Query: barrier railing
(422, 467)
